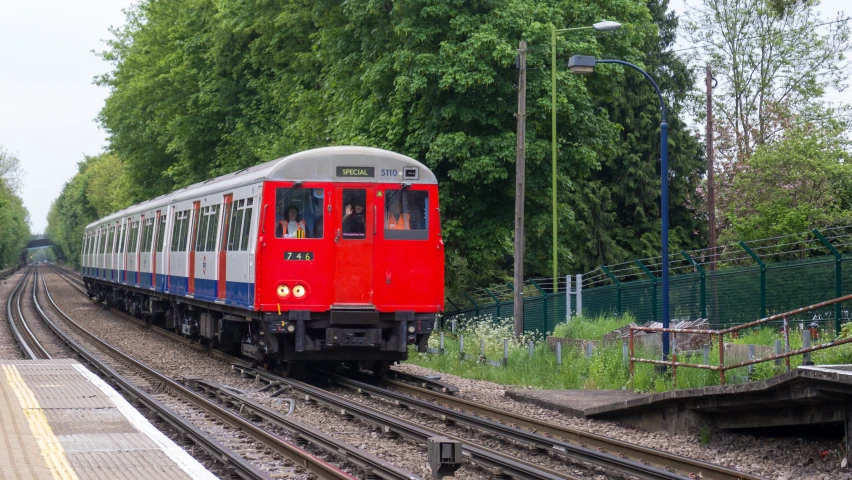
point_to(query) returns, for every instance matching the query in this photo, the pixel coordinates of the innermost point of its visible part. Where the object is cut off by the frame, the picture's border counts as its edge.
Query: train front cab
(350, 270)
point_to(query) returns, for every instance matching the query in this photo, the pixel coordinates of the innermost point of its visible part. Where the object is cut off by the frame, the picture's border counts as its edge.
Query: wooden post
(520, 175)
(558, 353)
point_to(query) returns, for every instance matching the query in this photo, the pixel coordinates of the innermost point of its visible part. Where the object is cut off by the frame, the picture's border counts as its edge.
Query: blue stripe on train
(236, 293)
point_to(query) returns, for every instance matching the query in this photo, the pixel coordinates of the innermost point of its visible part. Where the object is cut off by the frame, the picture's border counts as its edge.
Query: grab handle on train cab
(337, 235)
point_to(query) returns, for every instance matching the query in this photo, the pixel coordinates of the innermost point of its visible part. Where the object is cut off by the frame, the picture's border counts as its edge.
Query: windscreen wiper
(389, 201)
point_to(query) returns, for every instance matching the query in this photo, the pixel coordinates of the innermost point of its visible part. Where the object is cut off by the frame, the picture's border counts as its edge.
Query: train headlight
(291, 328)
(411, 329)
(299, 291)
(283, 291)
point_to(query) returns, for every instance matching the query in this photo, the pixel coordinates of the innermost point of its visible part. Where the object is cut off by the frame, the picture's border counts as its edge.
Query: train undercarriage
(282, 341)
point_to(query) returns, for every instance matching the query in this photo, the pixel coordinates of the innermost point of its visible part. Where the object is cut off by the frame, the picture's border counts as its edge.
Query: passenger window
(110, 239)
(354, 222)
(161, 233)
(179, 231)
(244, 242)
(406, 214)
(121, 239)
(299, 212)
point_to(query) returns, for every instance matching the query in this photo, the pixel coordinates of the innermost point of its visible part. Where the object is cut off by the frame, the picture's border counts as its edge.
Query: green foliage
(14, 218)
(99, 188)
(617, 206)
(583, 328)
(202, 88)
(801, 181)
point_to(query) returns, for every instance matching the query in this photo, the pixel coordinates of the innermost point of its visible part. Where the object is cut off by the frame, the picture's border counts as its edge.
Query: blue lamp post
(586, 64)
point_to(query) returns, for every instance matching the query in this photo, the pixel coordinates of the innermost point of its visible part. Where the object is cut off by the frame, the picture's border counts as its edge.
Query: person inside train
(397, 218)
(293, 226)
(354, 221)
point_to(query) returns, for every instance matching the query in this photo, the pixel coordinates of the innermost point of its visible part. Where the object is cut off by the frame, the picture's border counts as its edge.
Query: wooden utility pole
(520, 179)
(711, 188)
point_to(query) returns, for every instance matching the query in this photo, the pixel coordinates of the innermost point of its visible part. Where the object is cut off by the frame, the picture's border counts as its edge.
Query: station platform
(58, 420)
(805, 396)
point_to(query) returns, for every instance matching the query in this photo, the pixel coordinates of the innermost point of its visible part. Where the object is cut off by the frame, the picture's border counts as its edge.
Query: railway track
(530, 430)
(372, 465)
(237, 438)
(431, 396)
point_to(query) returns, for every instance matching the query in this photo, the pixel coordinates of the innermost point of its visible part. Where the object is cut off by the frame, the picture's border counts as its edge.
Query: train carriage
(328, 255)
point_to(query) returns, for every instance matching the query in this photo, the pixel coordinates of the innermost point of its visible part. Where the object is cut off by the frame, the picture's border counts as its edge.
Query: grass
(583, 328)
(605, 369)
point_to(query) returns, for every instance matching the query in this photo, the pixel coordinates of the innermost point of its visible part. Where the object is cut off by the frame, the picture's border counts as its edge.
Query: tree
(100, 187)
(803, 180)
(11, 172)
(774, 60)
(201, 88)
(618, 205)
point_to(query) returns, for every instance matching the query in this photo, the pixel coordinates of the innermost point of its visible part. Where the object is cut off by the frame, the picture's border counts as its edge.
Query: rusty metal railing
(720, 337)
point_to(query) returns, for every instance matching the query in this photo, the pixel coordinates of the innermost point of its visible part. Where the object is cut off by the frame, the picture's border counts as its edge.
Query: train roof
(339, 164)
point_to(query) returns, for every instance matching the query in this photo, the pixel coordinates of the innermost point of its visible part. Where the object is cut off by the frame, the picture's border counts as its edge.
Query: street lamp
(586, 64)
(602, 26)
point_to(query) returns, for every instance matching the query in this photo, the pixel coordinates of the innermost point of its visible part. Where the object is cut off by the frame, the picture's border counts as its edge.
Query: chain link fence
(736, 283)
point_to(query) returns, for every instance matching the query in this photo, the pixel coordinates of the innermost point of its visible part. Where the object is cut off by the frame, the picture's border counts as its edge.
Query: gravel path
(787, 458)
(175, 360)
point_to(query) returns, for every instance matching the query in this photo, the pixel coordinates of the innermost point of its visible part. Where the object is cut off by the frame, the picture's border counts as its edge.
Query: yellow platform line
(49, 445)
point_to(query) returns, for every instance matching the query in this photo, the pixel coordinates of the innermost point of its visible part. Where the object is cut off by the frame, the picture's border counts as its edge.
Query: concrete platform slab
(573, 402)
(59, 420)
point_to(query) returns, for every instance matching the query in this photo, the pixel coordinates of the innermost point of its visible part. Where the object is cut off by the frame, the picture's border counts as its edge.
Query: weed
(705, 434)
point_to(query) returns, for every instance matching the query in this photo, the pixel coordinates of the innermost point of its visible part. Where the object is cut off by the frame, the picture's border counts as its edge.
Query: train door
(155, 236)
(354, 229)
(239, 289)
(122, 252)
(196, 206)
(221, 278)
(161, 271)
(110, 264)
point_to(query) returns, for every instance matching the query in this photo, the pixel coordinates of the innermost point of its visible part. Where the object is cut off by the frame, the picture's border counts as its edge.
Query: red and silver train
(329, 255)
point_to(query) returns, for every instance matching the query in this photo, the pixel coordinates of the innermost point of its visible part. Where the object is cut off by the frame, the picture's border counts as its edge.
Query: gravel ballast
(174, 359)
(789, 458)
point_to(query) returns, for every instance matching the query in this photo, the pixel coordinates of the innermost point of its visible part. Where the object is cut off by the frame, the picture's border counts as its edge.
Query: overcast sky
(48, 102)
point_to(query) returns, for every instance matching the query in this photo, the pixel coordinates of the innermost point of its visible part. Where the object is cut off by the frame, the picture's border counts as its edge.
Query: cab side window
(299, 212)
(406, 214)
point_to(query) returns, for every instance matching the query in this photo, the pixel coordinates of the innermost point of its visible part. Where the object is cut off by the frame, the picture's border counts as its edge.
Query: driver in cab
(292, 226)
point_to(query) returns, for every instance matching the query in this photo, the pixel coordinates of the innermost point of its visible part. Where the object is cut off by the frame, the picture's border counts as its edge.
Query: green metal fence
(737, 283)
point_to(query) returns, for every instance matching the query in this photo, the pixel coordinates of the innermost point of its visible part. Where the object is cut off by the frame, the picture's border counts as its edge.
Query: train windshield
(406, 214)
(298, 212)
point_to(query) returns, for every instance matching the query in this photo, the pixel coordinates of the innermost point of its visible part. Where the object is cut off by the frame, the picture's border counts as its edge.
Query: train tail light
(299, 291)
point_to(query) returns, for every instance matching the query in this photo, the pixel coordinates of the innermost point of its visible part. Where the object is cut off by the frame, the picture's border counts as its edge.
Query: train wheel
(380, 368)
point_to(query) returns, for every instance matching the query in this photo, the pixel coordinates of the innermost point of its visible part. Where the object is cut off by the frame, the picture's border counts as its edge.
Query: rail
(720, 337)
(688, 467)
(235, 463)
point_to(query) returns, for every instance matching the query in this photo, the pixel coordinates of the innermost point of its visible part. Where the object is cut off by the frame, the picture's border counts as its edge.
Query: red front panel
(409, 273)
(278, 252)
(391, 274)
